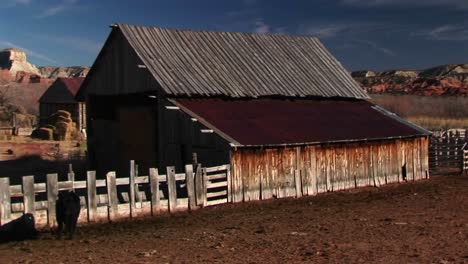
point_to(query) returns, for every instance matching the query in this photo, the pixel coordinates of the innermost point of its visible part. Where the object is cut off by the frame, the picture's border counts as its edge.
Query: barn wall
(292, 171)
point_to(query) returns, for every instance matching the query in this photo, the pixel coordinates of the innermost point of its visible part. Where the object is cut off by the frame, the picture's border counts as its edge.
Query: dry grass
(435, 123)
(433, 113)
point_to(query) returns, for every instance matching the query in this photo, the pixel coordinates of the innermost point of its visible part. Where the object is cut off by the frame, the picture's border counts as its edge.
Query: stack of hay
(60, 127)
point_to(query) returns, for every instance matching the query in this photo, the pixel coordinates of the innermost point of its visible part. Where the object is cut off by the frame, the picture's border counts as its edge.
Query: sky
(362, 34)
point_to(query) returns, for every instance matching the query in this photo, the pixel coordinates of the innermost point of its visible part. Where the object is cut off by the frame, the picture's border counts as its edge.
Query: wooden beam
(52, 194)
(92, 201)
(192, 203)
(5, 201)
(112, 196)
(154, 185)
(28, 192)
(172, 189)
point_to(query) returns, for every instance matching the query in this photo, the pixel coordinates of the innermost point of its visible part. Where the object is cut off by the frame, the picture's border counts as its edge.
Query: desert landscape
(245, 132)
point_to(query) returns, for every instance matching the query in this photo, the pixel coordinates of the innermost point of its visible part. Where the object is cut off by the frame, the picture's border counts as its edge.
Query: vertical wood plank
(112, 196)
(312, 183)
(171, 187)
(297, 173)
(52, 194)
(132, 188)
(28, 192)
(5, 201)
(229, 184)
(154, 185)
(205, 186)
(92, 201)
(192, 203)
(199, 185)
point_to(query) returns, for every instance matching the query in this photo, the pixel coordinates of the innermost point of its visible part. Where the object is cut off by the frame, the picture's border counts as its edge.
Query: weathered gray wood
(199, 185)
(154, 185)
(5, 201)
(112, 196)
(172, 189)
(92, 202)
(205, 186)
(297, 173)
(52, 193)
(229, 187)
(71, 178)
(192, 203)
(132, 188)
(29, 197)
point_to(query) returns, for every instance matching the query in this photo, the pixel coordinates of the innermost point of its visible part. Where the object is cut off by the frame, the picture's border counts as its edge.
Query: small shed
(277, 108)
(61, 96)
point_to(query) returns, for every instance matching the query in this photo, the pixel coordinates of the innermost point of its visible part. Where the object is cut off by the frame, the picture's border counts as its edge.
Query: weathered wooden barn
(61, 96)
(280, 109)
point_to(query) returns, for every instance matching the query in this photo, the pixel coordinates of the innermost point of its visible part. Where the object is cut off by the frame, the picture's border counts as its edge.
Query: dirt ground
(423, 222)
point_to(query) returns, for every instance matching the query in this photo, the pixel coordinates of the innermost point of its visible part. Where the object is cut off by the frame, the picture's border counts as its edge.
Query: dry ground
(424, 222)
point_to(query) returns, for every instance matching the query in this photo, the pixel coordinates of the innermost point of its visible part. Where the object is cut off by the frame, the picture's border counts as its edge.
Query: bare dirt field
(423, 222)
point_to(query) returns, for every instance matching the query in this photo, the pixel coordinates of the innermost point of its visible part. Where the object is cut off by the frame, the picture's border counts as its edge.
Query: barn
(61, 96)
(281, 110)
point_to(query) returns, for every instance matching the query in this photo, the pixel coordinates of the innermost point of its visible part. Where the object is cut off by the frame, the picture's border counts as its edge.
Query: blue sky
(362, 34)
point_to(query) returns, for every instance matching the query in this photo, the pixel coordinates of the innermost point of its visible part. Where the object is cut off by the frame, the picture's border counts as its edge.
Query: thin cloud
(77, 43)
(377, 47)
(29, 52)
(348, 29)
(458, 4)
(445, 32)
(261, 27)
(58, 8)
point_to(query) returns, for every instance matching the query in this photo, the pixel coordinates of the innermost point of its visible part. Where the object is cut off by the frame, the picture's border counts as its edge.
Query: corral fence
(114, 198)
(448, 151)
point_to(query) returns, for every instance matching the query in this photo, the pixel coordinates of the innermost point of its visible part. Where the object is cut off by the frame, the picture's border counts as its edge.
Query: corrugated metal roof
(263, 122)
(63, 90)
(202, 63)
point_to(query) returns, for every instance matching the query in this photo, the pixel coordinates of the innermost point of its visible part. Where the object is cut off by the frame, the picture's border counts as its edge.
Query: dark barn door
(137, 138)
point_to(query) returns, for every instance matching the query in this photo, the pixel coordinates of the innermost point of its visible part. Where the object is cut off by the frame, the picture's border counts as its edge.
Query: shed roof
(263, 122)
(63, 90)
(202, 63)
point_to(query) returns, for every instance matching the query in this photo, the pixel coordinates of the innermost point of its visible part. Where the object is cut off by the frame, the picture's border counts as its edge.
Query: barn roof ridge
(239, 64)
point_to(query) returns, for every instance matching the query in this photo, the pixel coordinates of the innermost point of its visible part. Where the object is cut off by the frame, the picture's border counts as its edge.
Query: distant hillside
(449, 79)
(15, 67)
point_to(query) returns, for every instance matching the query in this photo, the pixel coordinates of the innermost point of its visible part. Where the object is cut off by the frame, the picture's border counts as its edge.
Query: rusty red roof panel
(73, 84)
(63, 90)
(279, 122)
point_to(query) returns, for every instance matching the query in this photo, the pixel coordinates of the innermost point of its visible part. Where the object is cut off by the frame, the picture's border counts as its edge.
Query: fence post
(112, 196)
(92, 202)
(28, 192)
(190, 186)
(199, 185)
(5, 201)
(205, 186)
(71, 176)
(132, 188)
(229, 182)
(171, 187)
(52, 193)
(154, 184)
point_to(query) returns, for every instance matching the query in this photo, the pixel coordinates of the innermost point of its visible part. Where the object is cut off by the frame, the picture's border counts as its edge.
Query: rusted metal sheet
(270, 172)
(263, 122)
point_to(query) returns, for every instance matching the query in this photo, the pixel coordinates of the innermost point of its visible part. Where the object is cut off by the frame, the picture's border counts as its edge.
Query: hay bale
(63, 113)
(62, 131)
(43, 133)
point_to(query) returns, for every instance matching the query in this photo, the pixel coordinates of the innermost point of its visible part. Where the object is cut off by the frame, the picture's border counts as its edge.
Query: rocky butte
(14, 60)
(442, 80)
(14, 66)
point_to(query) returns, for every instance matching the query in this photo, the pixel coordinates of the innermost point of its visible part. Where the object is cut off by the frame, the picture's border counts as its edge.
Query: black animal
(67, 212)
(19, 229)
